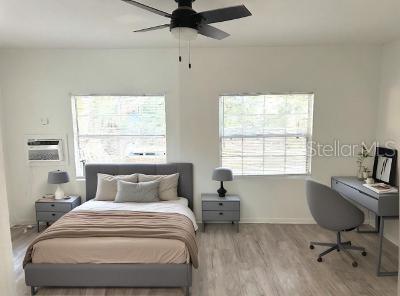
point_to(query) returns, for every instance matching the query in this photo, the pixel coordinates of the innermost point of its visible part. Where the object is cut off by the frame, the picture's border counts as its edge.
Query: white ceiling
(109, 23)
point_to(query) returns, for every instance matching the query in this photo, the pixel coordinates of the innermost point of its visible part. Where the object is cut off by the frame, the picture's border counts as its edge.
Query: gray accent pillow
(137, 192)
(107, 185)
(168, 189)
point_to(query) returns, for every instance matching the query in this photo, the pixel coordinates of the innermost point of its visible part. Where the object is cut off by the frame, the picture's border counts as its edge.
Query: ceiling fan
(186, 23)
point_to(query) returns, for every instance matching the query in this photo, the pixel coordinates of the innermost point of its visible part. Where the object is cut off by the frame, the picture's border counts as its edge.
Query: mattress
(118, 249)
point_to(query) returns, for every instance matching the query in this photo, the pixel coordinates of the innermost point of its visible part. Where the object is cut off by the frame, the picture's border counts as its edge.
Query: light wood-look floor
(263, 259)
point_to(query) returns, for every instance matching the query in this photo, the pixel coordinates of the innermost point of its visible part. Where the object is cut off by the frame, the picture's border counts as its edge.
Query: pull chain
(180, 57)
(190, 59)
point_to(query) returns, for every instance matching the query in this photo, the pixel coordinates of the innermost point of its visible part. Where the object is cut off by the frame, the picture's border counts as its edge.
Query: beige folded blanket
(122, 224)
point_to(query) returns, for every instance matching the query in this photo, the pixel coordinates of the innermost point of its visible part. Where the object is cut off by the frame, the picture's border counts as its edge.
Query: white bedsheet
(174, 206)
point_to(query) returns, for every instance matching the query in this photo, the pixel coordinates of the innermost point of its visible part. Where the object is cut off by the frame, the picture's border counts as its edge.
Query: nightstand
(220, 209)
(49, 210)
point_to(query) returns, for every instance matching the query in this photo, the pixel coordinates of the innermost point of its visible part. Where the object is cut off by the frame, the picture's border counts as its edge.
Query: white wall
(345, 83)
(37, 83)
(388, 124)
(7, 280)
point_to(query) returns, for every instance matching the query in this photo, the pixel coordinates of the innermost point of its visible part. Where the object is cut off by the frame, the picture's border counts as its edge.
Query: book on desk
(381, 188)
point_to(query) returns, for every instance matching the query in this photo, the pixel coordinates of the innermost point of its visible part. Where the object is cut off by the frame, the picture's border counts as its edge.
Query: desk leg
(379, 272)
(376, 228)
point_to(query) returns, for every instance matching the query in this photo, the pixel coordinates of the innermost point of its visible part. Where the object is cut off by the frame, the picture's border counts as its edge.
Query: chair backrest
(331, 210)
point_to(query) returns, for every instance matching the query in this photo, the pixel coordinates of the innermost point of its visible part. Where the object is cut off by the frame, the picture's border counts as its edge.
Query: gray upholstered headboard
(185, 170)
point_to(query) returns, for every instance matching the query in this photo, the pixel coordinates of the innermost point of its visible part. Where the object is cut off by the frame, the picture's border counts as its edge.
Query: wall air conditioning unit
(45, 150)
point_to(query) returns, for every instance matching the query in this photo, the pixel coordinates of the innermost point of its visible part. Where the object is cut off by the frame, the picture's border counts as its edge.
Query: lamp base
(222, 191)
(59, 194)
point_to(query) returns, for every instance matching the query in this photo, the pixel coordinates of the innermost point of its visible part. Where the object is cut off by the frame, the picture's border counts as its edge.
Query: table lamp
(58, 177)
(222, 174)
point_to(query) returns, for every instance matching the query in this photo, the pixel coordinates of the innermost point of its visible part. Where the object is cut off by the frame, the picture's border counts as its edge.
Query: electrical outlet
(44, 121)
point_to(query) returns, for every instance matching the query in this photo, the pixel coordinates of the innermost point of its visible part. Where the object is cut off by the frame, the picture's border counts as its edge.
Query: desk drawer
(221, 216)
(357, 196)
(48, 216)
(53, 207)
(221, 206)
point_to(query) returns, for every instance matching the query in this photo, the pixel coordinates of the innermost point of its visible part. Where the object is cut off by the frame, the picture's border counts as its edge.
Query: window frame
(308, 137)
(75, 125)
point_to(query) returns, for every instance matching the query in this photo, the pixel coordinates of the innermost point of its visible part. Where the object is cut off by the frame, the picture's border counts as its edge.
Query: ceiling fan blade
(212, 32)
(224, 14)
(148, 8)
(152, 28)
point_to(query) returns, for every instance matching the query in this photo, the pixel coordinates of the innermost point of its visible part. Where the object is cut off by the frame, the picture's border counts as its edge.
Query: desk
(384, 206)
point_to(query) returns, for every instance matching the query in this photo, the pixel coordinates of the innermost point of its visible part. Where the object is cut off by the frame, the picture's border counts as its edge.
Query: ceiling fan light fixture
(184, 33)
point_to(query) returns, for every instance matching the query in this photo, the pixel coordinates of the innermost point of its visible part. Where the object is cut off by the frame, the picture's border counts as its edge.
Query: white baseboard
(278, 220)
(275, 221)
(296, 221)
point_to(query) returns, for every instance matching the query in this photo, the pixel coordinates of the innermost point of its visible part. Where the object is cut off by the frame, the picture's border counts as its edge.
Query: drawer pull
(221, 214)
(221, 204)
(53, 205)
(53, 214)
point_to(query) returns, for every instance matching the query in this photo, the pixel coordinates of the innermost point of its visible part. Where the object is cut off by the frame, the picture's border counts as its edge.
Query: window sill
(285, 176)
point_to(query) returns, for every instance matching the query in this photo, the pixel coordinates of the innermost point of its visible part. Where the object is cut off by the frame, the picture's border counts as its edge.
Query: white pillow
(107, 185)
(168, 188)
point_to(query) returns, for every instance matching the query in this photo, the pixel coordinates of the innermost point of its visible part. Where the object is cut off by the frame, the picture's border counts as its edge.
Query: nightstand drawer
(221, 215)
(53, 207)
(221, 205)
(48, 216)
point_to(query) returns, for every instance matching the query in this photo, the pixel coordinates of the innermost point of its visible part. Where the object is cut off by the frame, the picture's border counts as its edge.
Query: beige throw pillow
(168, 188)
(107, 185)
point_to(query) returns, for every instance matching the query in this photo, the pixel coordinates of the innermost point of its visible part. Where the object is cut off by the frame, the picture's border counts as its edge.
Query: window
(118, 129)
(266, 134)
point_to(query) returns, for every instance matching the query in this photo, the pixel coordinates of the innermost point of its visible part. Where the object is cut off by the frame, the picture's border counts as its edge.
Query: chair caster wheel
(312, 247)
(355, 264)
(364, 253)
(319, 259)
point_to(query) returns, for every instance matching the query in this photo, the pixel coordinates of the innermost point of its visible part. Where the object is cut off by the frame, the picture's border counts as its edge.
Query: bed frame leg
(34, 291)
(187, 291)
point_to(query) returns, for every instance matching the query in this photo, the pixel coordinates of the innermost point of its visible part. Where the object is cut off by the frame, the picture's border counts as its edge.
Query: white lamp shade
(184, 33)
(222, 174)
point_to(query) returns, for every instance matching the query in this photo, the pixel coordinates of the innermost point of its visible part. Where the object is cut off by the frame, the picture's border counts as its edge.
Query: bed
(171, 268)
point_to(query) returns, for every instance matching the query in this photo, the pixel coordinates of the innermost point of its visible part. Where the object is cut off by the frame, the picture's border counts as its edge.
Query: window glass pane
(266, 134)
(253, 125)
(234, 163)
(231, 147)
(274, 165)
(296, 146)
(233, 105)
(297, 124)
(253, 105)
(275, 104)
(296, 164)
(253, 147)
(274, 146)
(275, 124)
(253, 165)
(233, 125)
(111, 129)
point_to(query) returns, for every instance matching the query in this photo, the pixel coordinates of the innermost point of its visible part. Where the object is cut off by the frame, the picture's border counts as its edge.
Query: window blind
(118, 129)
(266, 134)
